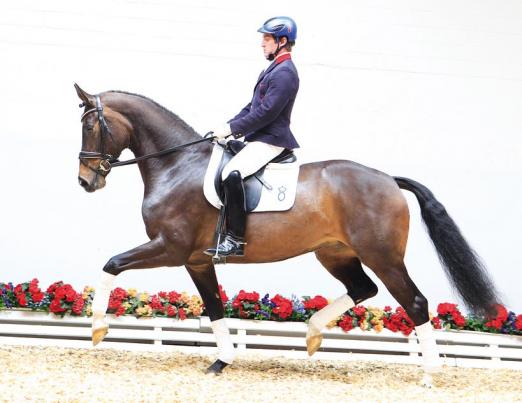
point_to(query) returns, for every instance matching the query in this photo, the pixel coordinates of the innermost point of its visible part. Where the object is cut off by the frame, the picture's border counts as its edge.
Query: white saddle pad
(281, 177)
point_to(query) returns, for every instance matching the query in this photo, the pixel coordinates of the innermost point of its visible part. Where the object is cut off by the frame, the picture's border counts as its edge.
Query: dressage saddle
(253, 183)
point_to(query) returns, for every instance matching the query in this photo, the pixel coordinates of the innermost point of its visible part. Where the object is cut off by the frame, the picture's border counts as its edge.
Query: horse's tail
(461, 263)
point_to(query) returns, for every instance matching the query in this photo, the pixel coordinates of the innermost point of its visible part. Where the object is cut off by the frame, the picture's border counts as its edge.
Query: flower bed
(61, 299)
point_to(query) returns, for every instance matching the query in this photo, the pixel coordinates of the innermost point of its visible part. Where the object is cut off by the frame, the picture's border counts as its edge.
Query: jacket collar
(277, 61)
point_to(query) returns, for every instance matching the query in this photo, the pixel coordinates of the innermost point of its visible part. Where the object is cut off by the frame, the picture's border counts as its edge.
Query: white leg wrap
(223, 340)
(428, 347)
(331, 311)
(102, 294)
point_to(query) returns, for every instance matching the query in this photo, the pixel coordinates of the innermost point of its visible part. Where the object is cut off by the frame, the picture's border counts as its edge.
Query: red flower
(399, 321)
(222, 294)
(173, 297)
(359, 310)
(51, 289)
(495, 323)
(498, 322)
(436, 322)
(502, 313)
(156, 303)
(163, 294)
(38, 296)
(446, 308)
(182, 314)
(56, 306)
(120, 311)
(318, 302)
(459, 320)
(70, 296)
(171, 311)
(247, 296)
(346, 323)
(283, 306)
(22, 299)
(77, 307)
(119, 293)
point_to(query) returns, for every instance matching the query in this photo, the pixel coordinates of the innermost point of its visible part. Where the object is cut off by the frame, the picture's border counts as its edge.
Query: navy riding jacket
(267, 117)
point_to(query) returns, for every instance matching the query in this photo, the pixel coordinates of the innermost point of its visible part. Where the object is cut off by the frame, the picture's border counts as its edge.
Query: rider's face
(268, 44)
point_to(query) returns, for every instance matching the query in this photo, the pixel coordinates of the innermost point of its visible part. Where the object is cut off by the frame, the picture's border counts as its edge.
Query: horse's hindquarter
(336, 202)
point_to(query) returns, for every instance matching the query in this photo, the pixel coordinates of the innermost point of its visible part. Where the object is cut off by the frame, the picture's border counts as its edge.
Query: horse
(353, 214)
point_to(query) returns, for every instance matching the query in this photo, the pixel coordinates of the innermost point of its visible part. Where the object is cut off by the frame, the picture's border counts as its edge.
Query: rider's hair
(288, 46)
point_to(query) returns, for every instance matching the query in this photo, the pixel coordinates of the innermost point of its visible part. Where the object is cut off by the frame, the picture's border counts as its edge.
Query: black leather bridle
(107, 161)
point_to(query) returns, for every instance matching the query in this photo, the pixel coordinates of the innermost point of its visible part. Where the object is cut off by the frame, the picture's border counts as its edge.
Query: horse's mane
(176, 118)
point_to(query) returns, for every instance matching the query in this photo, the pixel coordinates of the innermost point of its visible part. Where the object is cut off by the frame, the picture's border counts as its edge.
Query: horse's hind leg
(341, 262)
(396, 279)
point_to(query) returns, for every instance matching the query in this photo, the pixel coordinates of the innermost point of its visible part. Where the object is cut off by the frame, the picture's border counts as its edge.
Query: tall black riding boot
(233, 244)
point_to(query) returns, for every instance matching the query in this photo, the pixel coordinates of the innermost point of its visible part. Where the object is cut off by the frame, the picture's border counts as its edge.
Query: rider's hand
(222, 131)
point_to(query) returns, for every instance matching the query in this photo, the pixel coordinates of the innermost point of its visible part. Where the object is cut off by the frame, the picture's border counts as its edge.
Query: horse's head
(105, 134)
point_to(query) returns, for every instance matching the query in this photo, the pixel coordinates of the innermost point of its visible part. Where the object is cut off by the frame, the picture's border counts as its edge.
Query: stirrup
(230, 246)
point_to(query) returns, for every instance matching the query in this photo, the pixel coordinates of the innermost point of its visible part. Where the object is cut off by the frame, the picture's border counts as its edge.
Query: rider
(265, 123)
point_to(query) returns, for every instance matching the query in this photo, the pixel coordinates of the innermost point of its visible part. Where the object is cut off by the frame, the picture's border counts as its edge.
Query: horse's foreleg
(205, 279)
(149, 255)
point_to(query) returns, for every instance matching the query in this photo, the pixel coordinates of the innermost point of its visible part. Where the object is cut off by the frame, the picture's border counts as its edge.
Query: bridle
(107, 161)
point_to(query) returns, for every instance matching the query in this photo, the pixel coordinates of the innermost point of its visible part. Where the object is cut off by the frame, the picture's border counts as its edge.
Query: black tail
(463, 266)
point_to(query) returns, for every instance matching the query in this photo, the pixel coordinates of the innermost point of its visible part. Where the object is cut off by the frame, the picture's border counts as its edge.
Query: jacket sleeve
(281, 88)
(243, 112)
(246, 109)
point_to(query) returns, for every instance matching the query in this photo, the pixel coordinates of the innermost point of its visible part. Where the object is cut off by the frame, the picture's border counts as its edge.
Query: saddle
(254, 183)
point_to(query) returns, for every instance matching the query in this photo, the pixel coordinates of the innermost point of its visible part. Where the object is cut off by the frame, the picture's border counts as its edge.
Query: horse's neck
(154, 130)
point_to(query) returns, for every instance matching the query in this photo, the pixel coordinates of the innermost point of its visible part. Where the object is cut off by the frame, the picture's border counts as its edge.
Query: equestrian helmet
(280, 27)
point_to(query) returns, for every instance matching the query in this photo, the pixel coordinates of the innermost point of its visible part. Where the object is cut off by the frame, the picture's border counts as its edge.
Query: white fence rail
(463, 349)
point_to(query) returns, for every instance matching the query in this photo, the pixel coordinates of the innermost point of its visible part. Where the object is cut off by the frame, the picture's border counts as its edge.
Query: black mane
(178, 120)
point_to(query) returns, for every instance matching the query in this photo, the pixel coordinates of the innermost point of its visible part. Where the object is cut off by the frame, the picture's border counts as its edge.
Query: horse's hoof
(216, 368)
(427, 381)
(99, 334)
(313, 343)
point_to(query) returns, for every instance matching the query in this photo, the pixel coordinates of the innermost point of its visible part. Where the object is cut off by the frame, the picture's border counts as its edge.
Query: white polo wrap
(331, 311)
(223, 341)
(428, 347)
(102, 294)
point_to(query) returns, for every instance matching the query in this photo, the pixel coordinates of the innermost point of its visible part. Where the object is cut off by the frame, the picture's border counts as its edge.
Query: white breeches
(251, 158)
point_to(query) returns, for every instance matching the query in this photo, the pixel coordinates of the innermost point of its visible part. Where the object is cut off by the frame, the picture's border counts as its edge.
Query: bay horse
(353, 215)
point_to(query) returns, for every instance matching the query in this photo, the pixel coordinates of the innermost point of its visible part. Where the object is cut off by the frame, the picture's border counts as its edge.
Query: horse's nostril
(83, 183)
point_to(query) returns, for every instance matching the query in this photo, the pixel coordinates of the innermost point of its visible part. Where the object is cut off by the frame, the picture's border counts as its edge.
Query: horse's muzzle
(86, 185)
(91, 182)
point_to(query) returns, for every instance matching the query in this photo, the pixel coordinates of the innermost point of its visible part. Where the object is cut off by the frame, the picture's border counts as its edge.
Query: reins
(107, 161)
(163, 152)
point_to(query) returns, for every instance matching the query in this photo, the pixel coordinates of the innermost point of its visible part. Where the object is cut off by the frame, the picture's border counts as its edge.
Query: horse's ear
(87, 99)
